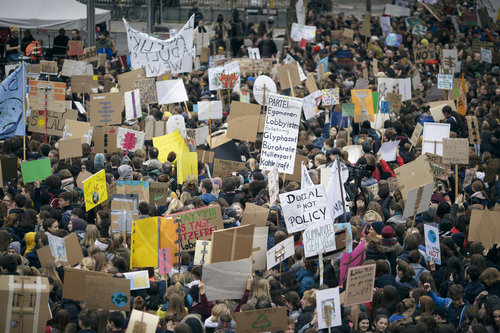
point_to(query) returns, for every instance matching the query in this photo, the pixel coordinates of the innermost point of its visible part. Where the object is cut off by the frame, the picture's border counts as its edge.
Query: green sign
(347, 109)
(36, 170)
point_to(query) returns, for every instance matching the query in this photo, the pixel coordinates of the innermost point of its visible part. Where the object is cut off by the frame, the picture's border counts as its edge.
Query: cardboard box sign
(52, 93)
(28, 309)
(107, 292)
(232, 244)
(74, 283)
(55, 121)
(74, 252)
(255, 215)
(142, 322)
(106, 109)
(288, 76)
(224, 169)
(85, 84)
(126, 80)
(263, 320)
(243, 122)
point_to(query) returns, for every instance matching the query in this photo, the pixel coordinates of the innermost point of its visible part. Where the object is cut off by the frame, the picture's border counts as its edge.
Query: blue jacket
(456, 314)
(208, 198)
(306, 278)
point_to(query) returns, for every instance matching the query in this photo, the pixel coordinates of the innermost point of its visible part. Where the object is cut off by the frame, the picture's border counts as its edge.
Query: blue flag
(11, 105)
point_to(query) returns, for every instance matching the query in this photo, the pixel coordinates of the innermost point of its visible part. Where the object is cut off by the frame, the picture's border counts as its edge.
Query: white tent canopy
(48, 14)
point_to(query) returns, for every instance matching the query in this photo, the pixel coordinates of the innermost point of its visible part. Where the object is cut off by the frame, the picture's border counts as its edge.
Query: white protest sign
(57, 247)
(138, 279)
(158, 56)
(445, 81)
(328, 307)
(434, 133)
(385, 24)
(396, 11)
(129, 140)
(388, 150)
(224, 77)
(305, 207)
(450, 60)
(319, 238)
(132, 104)
(432, 247)
(274, 184)
(288, 60)
(171, 91)
(209, 110)
(281, 133)
(253, 53)
(73, 67)
(486, 56)
(80, 107)
(310, 104)
(418, 200)
(333, 190)
(306, 179)
(299, 32)
(261, 83)
(176, 123)
(397, 86)
(280, 252)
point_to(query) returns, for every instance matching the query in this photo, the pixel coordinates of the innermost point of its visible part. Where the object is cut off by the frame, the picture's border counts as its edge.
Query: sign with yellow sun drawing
(47, 95)
(94, 189)
(54, 120)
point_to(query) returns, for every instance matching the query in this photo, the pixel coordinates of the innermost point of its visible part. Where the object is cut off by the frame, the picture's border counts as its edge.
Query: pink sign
(353, 259)
(164, 264)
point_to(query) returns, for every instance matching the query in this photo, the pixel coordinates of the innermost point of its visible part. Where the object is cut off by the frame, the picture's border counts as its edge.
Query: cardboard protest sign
(413, 174)
(104, 139)
(95, 191)
(132, 101)
(198, 224)
(484, 227)
(141, 188)
(187, 164)
(70, 148)
(35, 170)
(434, 133)
(388, 150)
(129, 140)
(209, 110)
(147, 91)
(75, 47)
(473, 129)
(219, 138)
(455, 151)
(73, 67)
(243, 121)
(255, 215)
(353, 259)
(432, 247)
(205, 156)
(305, 207)
(445, 81)
(199, 135)
(281, 133)
(8, 169)
(263, 320)
(203, 252)
(74, 282)
(311, 84)
(50, 122)
(233, 273)
(52, 94)
(85, 84)
(171, 91)
(363, 104)
(422, 53)
(158, 193)
(224, 168)
(328, 307)
(168, 143)
(232, 244)
(106, 109)
(300, 31)
(262, 84)
(89, 54)
(143, 322)
(288, 76)
(360, 284)
(127, 79)
(450, 60)
(319, 238)
(48, 67)
(158, 56)
(417, 131)
(66, 249)
(439, 169)
(436, 109)
(259, 248)
(418, 200)
(107, 293)
(24, 303)
(138, 279)
(124, 210)
(280, 252)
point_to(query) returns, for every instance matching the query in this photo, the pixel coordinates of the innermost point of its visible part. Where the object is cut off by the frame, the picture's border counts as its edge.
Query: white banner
(274, 185)
(319, 238)
(334, 194)
(158, 56)
(299, 31)
(432, 247)
(306, 207)
(306, 179)
(281, 133)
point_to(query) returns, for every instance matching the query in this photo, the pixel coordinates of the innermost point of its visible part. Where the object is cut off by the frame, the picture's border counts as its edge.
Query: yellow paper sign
(94, 77)
(172, 142)
(94, 189)
(144, 248)
(187, 164)
(363, 104)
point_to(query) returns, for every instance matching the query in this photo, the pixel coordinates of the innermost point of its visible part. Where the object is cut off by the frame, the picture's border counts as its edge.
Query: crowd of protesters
(411, 294)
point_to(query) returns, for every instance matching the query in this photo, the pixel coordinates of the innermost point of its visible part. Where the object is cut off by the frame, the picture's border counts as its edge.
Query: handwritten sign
(280, 252)
(455, 151)
(224, 168)
(107, 293)
(445, 81)
(129, 140)
(353, 259)
(360, 283)
(75, 47)
(138, 279)
(47, 95)
(319, 238)
(147, 90)
(51, 122)
(133, 187)
(198, 224)
(432, 247)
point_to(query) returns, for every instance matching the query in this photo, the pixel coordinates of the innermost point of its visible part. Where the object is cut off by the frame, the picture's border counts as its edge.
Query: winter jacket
(305, 317)
(208, 198)
(305, 278)
(456, 314)
(472, 289)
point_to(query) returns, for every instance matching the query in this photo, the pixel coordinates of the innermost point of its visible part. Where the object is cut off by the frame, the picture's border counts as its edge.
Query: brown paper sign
(297, 174)
(107, 293)
(413, 174)
(147, 89)
(439, 169)
(74, 282)
(84, 84)
(360, 284)
(366, 27)
(52, 94)
(89, 54)
(75, 47)
(416, 134)
(106, 109)
(232, 244)
(395, 100)
(243, 121)
(158, 193)
(205, 156)
(48, 67)
(288, 75)
(263, 320)
(55, 121)
(224, 168)
(455, 151)
(484, 227)
(422, 53)
(255, 214)
(126, 80)
(473, 129)
(74, 252)
(311, 84)
(70, 148)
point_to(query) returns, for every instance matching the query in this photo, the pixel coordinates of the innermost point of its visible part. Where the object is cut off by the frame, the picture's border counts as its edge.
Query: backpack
(54, 201)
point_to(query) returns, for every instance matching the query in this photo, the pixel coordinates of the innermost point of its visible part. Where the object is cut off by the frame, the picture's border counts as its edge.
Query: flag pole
(24, 116)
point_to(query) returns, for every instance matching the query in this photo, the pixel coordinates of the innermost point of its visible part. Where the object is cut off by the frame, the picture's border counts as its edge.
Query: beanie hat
(378, 227)
(126, 172)
(16, 246)
(388, 236)
(78, 223)
(217, 181)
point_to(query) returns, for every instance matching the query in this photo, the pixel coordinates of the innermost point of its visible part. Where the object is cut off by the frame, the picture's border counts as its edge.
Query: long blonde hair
(49, 270)
(91, 235)
(261, 288)
(174, 206)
